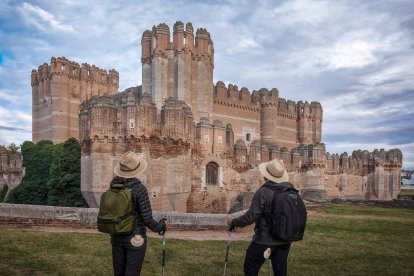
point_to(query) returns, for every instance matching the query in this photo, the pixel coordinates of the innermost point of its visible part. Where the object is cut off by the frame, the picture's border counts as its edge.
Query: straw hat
(130, 165)
(274, 170)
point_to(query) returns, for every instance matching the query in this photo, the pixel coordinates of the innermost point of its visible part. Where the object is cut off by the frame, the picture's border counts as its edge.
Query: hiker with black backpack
(125, 212)
(279, 216)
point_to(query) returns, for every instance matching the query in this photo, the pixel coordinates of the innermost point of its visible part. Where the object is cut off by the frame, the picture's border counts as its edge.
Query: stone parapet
(86, 217)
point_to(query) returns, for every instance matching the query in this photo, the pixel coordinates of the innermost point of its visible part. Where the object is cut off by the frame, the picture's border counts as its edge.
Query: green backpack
(115, 211)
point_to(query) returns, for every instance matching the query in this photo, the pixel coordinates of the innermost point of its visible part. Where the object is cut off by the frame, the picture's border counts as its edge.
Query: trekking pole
(227, 254)
(163, 254)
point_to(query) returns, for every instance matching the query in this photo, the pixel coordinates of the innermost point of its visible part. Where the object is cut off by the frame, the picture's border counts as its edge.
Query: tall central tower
(181, 67)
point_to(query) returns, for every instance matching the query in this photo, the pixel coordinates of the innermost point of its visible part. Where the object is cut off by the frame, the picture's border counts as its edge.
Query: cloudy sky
(355, 57)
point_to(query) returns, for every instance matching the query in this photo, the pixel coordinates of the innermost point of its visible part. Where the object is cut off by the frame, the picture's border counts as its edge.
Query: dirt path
(240, 234)
(244, 234)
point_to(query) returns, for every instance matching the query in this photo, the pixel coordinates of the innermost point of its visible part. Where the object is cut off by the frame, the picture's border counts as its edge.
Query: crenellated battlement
(233, 96)
(63, 67)
(158, 42)
(243, 99)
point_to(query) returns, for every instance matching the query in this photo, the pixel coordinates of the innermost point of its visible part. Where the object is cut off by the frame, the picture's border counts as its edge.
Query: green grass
(340, 240)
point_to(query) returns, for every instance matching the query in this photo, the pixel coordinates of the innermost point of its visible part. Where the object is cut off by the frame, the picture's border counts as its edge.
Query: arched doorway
(212, 170)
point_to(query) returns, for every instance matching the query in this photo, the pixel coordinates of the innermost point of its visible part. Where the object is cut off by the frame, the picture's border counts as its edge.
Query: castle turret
(159, 65)
(176, 120)
(269, 116)
(219, 133)
(204, 134)
(317, 118)
(240, 151)
(344, 162)
(147, 116)
(189, 37)
(146, 62)
(203, 96)
(178, 35)
(305, 123)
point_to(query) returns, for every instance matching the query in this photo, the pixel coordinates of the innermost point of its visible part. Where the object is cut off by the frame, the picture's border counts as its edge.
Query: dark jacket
(141, 207)
(261, 203)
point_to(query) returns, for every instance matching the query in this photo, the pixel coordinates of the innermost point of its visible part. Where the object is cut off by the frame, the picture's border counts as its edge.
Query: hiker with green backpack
(125, 212)
(279, 215)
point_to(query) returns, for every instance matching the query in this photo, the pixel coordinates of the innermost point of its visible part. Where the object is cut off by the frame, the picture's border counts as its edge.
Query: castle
(11, 168)
(203, 141)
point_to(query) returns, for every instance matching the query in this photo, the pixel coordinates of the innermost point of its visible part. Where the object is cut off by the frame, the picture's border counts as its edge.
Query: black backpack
(287, 215)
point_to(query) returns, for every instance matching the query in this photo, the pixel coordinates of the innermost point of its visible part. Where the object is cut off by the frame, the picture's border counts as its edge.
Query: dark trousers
(254, 259)
(127, 260)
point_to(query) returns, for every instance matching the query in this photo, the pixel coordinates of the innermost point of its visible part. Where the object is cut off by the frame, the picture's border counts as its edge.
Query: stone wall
(86, 217)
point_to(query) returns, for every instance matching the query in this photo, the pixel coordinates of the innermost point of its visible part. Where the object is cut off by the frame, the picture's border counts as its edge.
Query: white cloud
(342, 53)
(42, 19)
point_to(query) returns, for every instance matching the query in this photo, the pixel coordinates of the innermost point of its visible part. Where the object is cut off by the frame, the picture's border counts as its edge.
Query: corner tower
(180, 67)
(58, 89)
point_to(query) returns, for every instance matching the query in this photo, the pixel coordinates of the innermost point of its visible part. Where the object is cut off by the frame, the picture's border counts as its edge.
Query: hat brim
(141, 168)
(265, 173)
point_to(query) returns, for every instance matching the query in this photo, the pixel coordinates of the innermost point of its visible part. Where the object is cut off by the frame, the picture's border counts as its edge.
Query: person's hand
(163, 227)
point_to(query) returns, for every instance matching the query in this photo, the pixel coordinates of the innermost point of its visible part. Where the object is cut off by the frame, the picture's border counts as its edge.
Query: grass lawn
(340, 240)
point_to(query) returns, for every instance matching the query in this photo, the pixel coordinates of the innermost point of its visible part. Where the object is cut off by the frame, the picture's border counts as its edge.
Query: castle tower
(255, 153)
(57, 91)
(269, 116)
(317, 117)
(181, 68)
(305, 123)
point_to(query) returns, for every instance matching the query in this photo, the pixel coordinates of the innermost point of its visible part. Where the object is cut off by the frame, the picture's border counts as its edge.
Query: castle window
(258, 157)
(243, 158)
(248, 137)
(219, 140)
(63, 67)
(89, 72)
(103, 77)
(212, 173)
(185, 41)
(114, 80)
(206, 138)
(74, 71)
(131, 123)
